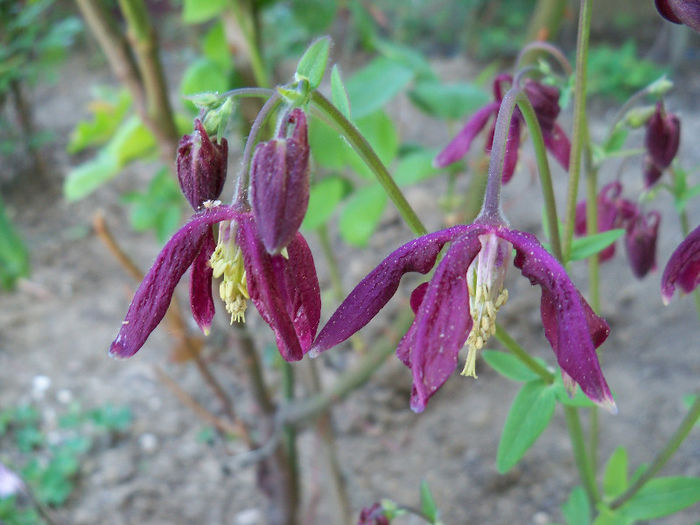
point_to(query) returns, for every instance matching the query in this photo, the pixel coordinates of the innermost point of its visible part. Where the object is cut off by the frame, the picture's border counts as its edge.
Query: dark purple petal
(652, 173)
(201, 300)
(375, 290)
(431, 346)
(665, 10)
(545, 102)
(683, 268)
(558, 145)
(153, 295)
(458, 146)
(268, 278)
(580, 226)
(417, 296)
(373, 515)
(497, 86)
(663, 131)
(510, 161)
(570, 325)
(201, 166)
(640, 243)
(279, 184)
(300, 289)
(681, 12)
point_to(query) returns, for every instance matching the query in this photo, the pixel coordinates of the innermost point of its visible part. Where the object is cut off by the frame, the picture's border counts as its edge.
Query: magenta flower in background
(285, 290)
(640, 243)
(663, 133)
(545, 101)
(680, 12)
(279, 183)
(460, 303)
(683, 268)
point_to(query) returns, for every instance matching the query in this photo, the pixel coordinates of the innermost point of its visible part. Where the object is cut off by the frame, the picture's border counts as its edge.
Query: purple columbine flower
(640, 243)
(201, 166)
(683, 268)
(279, 182)
(545, 101)
(663, 132)
(680, 12)
(460, 303)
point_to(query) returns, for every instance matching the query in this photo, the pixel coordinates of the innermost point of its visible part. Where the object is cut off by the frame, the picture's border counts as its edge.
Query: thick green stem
(578, 135)
(518, 351)
(290, 432)
(550, 204)
(573, 423)
(689, 421)
(368, 155)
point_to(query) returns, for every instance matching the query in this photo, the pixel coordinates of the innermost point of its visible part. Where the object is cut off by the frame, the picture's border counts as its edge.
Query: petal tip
(609, 405)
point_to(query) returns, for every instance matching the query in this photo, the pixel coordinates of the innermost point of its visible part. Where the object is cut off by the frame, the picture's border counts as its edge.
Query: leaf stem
(665, 454)
(369, 156)
(518, 351)
(579, 127)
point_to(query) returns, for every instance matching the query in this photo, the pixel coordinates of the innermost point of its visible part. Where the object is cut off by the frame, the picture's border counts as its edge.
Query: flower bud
(279, 183)
(680, 12)
(662, 137)
(545, 102)
(201, 166)
(640, 242)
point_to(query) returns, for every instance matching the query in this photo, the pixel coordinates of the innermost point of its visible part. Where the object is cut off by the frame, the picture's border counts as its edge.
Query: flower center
(485, 278)
(227, 261)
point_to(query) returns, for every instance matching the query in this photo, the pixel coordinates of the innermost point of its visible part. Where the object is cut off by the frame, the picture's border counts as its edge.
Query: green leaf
(510, 366)
(14, 257)
(376, 84)
(415, 167)
(328, 147)
(576, 510)
(314, 15)
(379, 130)
(111, 417)
(323, 200)
(529, 415)
(339, 94)
(313, 62)
(609, 517)
(158, 208)
(107, 113)
(362, 214)
(616, 140)
(131, 141)
(662, 497)
(615, 476)
(427, 503)
(448, 101)
(215, 48)
(202, 75)
(408, 57)
(197, 11)
(87, 177)
(584, 247)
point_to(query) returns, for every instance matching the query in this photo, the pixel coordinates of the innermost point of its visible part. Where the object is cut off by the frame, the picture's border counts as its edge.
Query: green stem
(578, 135)
(518, 351)
(370, 158)
(573, 424)
(290, 432)
(550, 204)
(689, 421)
(246, 20)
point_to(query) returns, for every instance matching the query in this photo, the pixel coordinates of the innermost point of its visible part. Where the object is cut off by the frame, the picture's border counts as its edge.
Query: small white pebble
(64, 396)
(541, 518)
(148, 442)
(40, 384)
(248, 517)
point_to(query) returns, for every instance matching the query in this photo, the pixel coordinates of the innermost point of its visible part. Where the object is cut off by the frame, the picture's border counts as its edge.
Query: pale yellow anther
(227, 262)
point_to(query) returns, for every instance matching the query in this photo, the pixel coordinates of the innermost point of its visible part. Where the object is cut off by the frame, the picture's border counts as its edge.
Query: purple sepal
(640, 243)
(545, 102)
(292, 313)
(153, 295)
(458, 146)
(431, 346)
(663, 131)
(683, 268)
(681, 12)
(557, 143)
(375, 290)
(665, 10)
(279, 183)
(201, 274)
(201, 166)
(570, 325)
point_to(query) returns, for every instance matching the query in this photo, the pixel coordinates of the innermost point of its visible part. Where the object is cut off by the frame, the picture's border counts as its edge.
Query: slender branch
(369, 156)
(554, 51)
(579, 127)
(244, 17)
(518, 351)
(550, 203)
(674, 442)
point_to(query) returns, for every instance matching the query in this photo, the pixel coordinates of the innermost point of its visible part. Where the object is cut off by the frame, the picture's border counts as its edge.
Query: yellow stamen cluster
(484, 304)
(227, 261)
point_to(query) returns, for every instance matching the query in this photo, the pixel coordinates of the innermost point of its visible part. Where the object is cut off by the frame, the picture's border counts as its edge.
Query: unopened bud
(662, 137)
(201, 166)
(640, 242)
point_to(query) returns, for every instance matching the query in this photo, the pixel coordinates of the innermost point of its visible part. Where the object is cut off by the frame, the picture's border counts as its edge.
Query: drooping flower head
(680, 12)
(284, 289)
(683, 268)
(663, 131)
(279, 182)
(545, 102)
